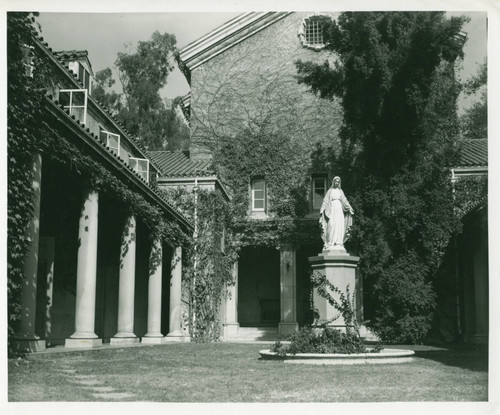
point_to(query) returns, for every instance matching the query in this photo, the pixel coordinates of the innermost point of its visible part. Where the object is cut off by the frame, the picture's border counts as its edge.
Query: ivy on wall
(208, 267)
(29, 134)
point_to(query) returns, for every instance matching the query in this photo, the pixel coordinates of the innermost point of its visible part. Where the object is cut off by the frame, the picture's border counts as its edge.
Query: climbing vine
(208, 267)
(29, 134)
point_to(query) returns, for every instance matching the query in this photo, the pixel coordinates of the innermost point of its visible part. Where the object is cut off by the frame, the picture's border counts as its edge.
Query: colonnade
(86, 282)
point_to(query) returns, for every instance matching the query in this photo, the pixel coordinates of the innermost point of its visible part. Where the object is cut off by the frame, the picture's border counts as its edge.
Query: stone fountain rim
(385, 356)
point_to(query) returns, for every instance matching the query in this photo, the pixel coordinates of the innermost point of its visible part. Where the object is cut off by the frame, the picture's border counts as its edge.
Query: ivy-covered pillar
(26, 340)
(175, 333)
(231, 325)
(126, 288)
(86, 274)
(154, 336)
(288, 290)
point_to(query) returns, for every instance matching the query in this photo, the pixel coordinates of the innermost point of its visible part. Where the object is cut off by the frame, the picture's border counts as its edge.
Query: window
(314, 32)
(84, 76)
(75, 100)
(311, 31)
(111, 140)
(258, 195)
(318, 192)
(28, 59)
(140, 166)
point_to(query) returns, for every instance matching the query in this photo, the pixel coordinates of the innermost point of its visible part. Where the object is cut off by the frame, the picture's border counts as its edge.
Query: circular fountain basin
(385, 356)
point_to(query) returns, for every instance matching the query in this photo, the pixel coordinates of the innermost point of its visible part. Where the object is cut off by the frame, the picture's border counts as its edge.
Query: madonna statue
(336, 217)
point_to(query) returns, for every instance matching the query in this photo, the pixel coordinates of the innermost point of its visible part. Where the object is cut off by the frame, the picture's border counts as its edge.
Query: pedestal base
(82, 343)
(176, 337)
(152, 340)
(123, 340)
(230, 330)
(28, 345)
(339, 268)
(285, 329)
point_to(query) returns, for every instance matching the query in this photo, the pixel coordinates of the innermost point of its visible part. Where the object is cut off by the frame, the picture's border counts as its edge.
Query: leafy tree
(474, 122)
(140, 108)
(395, 77)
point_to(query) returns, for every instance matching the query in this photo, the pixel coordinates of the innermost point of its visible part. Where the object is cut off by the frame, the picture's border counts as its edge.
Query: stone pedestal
(340, 270)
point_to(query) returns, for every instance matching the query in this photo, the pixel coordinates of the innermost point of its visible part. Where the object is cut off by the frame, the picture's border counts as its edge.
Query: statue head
(336, 182)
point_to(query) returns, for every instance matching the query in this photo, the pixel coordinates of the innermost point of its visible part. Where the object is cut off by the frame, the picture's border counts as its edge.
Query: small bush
(327, 341)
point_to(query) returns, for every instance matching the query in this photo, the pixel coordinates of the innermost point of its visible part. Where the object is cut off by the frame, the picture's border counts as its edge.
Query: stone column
(126, 288)
(25, 338)
(288, 287)
(86, 274)
(175, 333)
(154, 336)
(231, 325)
(340, 271)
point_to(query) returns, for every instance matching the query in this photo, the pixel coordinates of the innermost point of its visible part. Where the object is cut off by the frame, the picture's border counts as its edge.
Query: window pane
(78, 98)
(103, 137)
(143, 165)
(258, 204)
(258, 194)
(133, 163)
(319, 191)
(64, 98)
(258, 185)
(81, 72)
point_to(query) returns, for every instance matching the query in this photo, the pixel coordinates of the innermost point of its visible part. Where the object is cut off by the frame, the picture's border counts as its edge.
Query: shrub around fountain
(327, 341)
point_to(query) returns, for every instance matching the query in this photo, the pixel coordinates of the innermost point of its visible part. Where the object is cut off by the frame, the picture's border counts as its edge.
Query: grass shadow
(466, 356)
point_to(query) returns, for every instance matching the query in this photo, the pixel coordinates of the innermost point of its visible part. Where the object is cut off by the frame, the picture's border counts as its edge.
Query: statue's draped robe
(335, 218)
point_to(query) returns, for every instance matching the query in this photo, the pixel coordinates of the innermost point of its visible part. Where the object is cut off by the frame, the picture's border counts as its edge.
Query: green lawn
(233, 373)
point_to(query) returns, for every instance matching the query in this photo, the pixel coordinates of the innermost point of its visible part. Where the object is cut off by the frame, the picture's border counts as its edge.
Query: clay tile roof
(178, 164)
(473, 153)
(71, 54)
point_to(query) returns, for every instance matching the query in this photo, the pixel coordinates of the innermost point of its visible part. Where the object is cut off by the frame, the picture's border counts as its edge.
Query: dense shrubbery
(395, 78)
(328, 340)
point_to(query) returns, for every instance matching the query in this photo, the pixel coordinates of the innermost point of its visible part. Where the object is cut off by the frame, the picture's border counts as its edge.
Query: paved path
(93, 384)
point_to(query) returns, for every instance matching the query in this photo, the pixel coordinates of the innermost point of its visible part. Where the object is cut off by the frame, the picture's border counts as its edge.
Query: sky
(111, 33)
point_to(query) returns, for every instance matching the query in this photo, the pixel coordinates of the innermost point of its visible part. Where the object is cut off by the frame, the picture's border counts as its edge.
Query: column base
(230, 330)
(28, 345)
(118, 339)
(82, 343)
(477, 339)
(285, 329)
(152, 339)
(176, 337)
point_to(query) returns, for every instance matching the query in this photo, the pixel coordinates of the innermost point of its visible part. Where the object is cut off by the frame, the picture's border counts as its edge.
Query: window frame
(313, 190)
(253, 181)
(86, 76)
(108, 133)
(137, 165)
(303, 32)
(77, 106)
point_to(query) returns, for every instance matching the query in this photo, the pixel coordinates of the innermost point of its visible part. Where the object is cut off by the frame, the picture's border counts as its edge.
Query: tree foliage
(395, 77)
(140, 108)
(474, 122)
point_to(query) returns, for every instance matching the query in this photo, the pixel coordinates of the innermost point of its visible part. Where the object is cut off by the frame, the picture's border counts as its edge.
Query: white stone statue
(335, 217)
